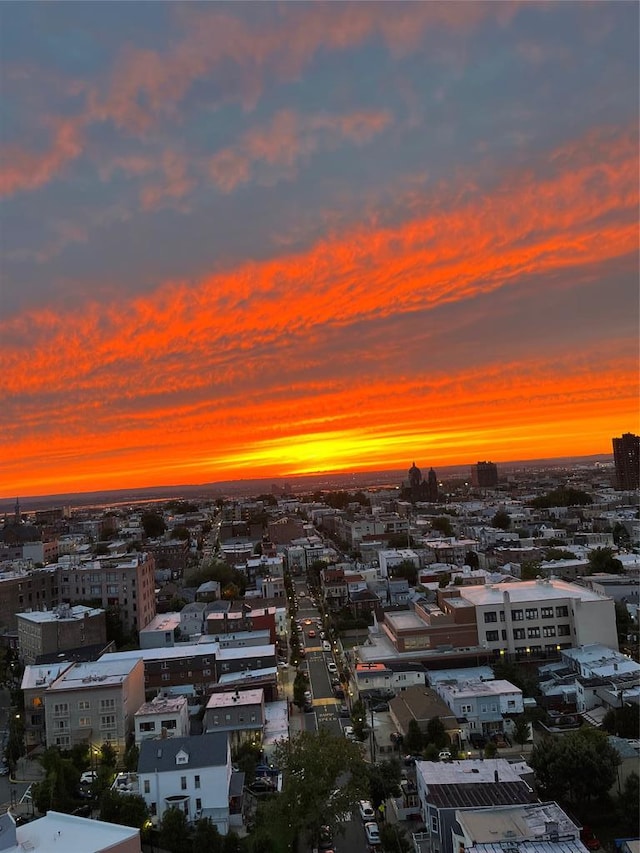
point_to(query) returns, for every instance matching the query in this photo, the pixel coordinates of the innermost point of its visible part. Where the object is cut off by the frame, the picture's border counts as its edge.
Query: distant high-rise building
(626, 456)
(484, 475)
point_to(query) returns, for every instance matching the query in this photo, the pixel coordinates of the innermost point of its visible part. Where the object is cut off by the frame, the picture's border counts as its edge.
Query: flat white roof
(182, 650)
(162, 622)
(42, 676)
(238, 653)
(479, 688)
(523, 591)
(238, 697)
(56, 831)
(99, 673)
(71, 614)
(470, 673)
(471, 770)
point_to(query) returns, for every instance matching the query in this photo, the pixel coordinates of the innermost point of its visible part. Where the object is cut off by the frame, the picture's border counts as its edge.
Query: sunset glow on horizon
(265, 240)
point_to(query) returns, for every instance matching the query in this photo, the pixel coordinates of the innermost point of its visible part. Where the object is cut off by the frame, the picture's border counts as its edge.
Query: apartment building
(483, 705)
(23, 589)
(44, 632)
(94, 702)
(36, 680)
(126, 582)
(540, 616)
(163, 717)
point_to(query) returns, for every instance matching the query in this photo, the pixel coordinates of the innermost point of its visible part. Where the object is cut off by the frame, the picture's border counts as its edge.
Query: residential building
(35, 682)
(94, 702)
(372, 677)
(446, 787)
(26, 589)
(541, 616)
(530, 828)
(191, 773)
(56, 831)
(163, 631)
(43, 632)
(428, 626)
(421, 704)
(163, 717)
(626, 458)
(483, 705)
(125, 582)
(240, 713)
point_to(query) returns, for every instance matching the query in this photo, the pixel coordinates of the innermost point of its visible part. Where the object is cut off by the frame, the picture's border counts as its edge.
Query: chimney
(496, 777)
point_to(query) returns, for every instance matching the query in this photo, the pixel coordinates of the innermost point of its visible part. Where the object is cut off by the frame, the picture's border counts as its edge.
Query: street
(11, 792)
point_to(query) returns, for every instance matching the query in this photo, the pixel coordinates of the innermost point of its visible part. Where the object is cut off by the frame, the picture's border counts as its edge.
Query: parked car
(312, 633)
(325, 839)
(338, 692)
(332, 667)
(372, 832)
(88, 777)
(349, 733)
(326, 646)
(366, 810)
(444, 755)
(343, 711)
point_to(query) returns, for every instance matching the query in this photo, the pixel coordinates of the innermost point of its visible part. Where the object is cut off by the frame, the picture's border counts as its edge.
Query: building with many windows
(543, 615)
(626, 458)
(43, 632)
(163, 717)
(94, 702)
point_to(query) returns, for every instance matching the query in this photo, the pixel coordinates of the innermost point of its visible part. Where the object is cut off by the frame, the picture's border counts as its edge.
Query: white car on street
(366, 811)
(372, 832)
(332, 667)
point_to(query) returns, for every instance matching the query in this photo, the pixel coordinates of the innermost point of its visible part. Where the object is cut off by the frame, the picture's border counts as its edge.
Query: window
(106, 704)
(562, 611)
(517, 615)
(511, 703)
(518, 634)
(504, 634)
(533, 632)
(564, 630)
(434, 823)
(169, 724)
(61, 710)
(183, 783)
(164, 665)
(197, 781)
(165, 676)
(546, 612)
(492, 636)
(147, 786)
(549, 631)
(466, 709)
(153, 809)
(112, 589)
(84, 722)
(83, 705)
(206, 661)
(108, 721)
(491, 616)
(206, 672)
(63, 741)
(531, 612)
(198, 804)
(149, 726)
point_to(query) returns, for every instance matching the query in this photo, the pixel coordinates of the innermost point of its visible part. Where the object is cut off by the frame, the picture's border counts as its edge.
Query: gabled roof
(208, 750)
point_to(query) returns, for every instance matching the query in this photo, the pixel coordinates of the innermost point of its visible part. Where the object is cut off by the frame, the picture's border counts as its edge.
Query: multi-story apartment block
(240, 713)
(94, 702)
(163, 717)
(544, 615)
(484, 475)
(26, 590)
(43, 632)
(36, 680)
(626, 457)
(126, 582)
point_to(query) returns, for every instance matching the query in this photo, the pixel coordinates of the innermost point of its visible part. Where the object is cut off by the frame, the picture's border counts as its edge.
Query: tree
(562, 496)
(406, 569)
(173, 831)
(443, 525)
(131, 759)
(501, 520)
(395, 838)
(521, 729)
(384, 781)
(628, 810)
(108, 755)
(153, 525)
(436, 733)
(414, 741)
(300, 686)
(126, 809)
(206, 837)
(577, 767)
(471, 559)
(180, 532)
(313, 767)
(359, 719)
(491, 749)
(602, 560)
(623, 722)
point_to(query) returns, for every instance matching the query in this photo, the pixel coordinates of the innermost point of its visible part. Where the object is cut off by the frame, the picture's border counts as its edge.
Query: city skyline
(265, 240)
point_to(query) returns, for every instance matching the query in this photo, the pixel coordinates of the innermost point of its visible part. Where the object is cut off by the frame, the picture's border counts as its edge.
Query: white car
(366, 811)
(349, 733)
(326, 646)
(332, 667)
(372, 832)
(88, 777)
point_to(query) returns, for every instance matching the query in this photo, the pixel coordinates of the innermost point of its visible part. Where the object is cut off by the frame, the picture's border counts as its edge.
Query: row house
(93, 703)
(239, 713)
(163, 717)
(484, 705)
(372, 678)
(36, 680)
(334, 587)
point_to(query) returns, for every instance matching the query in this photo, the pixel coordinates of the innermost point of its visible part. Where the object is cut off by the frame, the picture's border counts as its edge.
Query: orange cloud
(229, 372)
(289, 138)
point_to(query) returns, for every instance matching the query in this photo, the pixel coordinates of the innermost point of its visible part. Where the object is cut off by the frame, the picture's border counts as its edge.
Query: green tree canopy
(562, 496)
(314, 792)
(521, 729)
(436, 733)
(406, 569)
(602, 560)
(126, 809)
(414, 741)
(577, 767)
(153, 524)
(501, 520)
(443, 525)
(174, 832)
(384, 781)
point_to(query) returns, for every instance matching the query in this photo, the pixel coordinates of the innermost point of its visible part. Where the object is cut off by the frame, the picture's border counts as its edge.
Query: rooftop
(208, 750)
(523, 591)
(460, 690)
(162, 705)
(56, 831)
(98, 673)
(238, 697)
(69, 614)
(515, 822)
(162, 622)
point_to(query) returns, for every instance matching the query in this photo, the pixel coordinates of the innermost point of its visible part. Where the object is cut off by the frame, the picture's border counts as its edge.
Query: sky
(249, 240)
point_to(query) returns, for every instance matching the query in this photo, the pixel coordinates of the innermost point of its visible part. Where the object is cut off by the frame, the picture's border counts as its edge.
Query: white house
(189, 773)
(162, 717)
